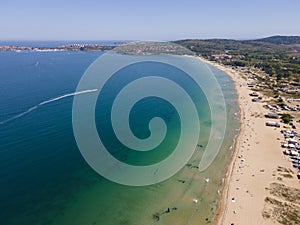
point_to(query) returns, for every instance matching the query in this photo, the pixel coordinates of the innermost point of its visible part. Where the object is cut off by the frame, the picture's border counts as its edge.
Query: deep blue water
(41, 168)
(39, 158)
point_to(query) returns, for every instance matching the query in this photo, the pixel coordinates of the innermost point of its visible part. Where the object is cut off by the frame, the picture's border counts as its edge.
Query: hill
(278, 56)
(284, 40)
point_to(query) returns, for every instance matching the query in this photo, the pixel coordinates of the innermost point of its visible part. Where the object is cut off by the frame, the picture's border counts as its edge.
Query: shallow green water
(43, 177)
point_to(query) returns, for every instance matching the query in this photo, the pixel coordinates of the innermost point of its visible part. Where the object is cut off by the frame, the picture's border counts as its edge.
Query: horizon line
(131, 40)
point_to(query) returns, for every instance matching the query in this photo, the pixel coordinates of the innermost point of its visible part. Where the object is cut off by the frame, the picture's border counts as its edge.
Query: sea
(45, 180)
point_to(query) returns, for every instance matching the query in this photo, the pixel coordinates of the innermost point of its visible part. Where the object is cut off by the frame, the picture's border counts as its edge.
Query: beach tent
(285, 145)
(287, 152)
(292, 141)
(291, 145)
(294, 153)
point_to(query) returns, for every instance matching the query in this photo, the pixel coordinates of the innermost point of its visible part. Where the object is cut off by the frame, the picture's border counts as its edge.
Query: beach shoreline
(248, 178)
(223, 193)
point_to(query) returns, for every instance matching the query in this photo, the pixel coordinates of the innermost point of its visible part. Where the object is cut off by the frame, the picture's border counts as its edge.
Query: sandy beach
(254, 164)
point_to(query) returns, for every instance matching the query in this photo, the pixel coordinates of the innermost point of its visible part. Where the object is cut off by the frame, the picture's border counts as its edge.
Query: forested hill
(285, 40)
(278, 56)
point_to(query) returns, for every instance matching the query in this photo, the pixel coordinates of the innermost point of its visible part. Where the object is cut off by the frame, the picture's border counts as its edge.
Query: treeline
(278, 56)
(282, 40)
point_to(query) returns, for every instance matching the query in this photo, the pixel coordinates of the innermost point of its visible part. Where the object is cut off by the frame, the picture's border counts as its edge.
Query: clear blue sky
(147, 19)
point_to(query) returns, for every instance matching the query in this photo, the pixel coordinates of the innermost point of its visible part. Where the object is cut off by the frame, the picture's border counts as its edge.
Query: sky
(147, 19)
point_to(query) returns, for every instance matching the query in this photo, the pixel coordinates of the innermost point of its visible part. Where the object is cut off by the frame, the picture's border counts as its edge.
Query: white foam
(19, 115)
(46, 102)
(67, 95)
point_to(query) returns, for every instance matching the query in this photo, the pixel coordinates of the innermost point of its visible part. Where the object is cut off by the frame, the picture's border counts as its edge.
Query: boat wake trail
(44, 103)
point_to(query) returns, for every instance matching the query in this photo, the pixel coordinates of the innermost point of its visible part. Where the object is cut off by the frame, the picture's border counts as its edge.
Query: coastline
(248, 178)
(223, 193)
(173, 200)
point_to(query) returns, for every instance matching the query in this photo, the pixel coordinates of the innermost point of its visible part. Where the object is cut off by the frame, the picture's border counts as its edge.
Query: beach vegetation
(286, 118)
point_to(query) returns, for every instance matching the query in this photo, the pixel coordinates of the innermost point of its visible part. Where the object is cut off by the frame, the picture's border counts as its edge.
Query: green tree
(286, 117)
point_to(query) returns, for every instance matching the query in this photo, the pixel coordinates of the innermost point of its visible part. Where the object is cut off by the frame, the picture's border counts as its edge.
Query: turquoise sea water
(43, 177)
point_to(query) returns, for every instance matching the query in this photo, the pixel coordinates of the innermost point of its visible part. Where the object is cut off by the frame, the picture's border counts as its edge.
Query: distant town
(73, 47)
(138, 48)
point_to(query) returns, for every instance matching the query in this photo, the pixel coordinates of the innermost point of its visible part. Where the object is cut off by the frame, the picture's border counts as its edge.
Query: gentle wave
(46, 102)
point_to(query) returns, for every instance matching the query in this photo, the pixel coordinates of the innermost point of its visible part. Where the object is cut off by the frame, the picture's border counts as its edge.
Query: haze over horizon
(145, 20)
